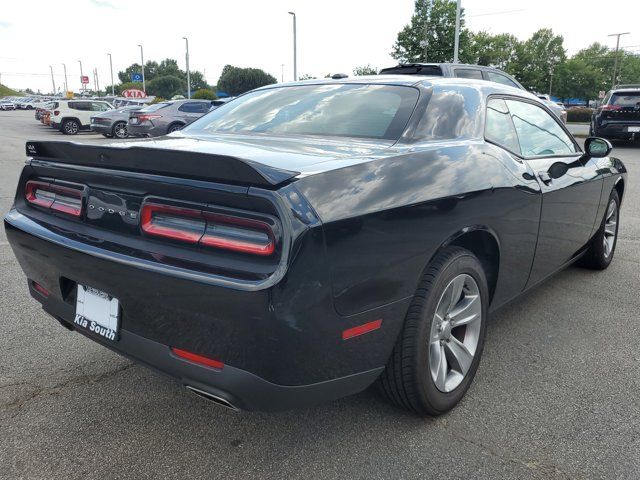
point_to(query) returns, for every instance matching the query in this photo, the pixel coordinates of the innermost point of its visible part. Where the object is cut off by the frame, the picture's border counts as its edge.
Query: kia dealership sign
(134, 93)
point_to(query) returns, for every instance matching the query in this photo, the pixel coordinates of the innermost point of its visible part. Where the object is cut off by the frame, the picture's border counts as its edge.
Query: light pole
(81, 75)
(113, 91)
(457, 39)
(615, 64)
(66, 85)
(188, 75)
(550, 81)
(52, 80)
(144, 85)
(295, 49)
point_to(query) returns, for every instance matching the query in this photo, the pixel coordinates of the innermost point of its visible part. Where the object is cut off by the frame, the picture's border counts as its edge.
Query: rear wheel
(70, 127)
(120, 130)
(174, 127)
(603, 244)
(438, 351)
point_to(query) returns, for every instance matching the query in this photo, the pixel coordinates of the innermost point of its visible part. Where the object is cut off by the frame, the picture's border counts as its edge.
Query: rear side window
(499, 78)
(99, 107)
(468, 73)
(155, 107)
(499, 128)
(194, 107)
(84, 106)
(626, 99)
(538, 132)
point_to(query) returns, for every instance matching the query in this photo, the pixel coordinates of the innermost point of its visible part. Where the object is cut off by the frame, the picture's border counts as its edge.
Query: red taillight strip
(212, 240)
(193, 357)
(147, 225)
(60, 200)
(361, 329)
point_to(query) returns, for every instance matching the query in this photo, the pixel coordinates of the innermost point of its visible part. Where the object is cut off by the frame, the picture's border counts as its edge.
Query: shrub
(205, 94)
(234, 81)
(579, 114)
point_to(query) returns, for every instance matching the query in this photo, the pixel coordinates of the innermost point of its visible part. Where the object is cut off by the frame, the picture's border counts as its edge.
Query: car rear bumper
(146, 130)
(619, 129)
(276, 356)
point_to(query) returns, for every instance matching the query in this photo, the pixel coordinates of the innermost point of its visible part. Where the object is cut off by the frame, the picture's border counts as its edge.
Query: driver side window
(538, 132)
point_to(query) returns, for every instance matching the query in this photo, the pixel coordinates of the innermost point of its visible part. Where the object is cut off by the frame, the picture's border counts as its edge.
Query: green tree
(169, 66)
(365, 70)
(536, 58)
(205, 93)
(235, 80)
(431, 34)
(166, 86)
(490, 50)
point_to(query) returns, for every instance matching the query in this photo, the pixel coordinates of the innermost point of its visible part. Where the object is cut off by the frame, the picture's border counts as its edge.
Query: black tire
(70, 127)
(119, 130)
(407, 380)
(597, 257)
(175, 127)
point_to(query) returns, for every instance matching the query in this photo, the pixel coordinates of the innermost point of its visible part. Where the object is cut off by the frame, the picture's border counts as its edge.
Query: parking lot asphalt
(557, 394)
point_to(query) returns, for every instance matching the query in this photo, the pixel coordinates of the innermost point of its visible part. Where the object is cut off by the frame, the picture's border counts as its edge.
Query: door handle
(545, 177)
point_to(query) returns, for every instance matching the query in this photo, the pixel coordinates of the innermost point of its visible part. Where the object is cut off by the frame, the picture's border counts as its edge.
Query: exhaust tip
(213, 398)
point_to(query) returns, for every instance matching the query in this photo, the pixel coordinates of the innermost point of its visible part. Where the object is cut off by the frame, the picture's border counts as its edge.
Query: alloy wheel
(610, 228)
(120, 130)
(455, 332)
(71, 127)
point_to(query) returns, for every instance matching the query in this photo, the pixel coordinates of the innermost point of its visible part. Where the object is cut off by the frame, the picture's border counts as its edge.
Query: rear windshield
(351, 110)
(626, 99)
(156, 106)
(430, 70)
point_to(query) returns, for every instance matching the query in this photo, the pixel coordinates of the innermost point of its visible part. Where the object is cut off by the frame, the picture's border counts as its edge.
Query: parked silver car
(166, 117)
(113, 123)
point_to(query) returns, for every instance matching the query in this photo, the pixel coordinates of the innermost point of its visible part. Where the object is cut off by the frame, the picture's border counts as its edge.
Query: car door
(570, 182)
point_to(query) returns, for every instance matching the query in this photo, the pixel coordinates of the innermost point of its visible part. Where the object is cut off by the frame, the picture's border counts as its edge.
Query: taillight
(611, 108)
(227, 232)
(54, 197)
(144, 117)
(194, 357)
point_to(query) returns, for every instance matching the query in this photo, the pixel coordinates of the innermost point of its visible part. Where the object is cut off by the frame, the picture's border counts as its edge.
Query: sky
(333, 36)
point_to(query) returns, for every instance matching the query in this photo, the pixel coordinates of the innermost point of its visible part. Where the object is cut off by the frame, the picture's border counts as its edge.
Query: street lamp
(457, 38)
(52, 80)
(113, 91)
(295, 53)
(144, 85)
(188, 75)
(81, 75)
(66, 85)
(615, 64)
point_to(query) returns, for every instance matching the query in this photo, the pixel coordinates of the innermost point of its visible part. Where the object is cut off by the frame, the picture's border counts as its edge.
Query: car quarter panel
(384, 220)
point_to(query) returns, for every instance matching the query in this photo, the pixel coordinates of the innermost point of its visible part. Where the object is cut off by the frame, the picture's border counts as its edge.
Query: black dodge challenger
(307, 240)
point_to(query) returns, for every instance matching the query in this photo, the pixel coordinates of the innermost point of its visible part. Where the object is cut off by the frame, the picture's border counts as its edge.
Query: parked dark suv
(619, 115)
(475, 72)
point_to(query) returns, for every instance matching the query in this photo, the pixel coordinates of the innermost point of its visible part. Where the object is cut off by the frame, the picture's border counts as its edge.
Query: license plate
(97, 312)
(633, 129)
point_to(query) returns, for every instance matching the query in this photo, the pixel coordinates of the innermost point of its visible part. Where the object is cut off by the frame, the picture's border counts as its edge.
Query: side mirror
(596, 147)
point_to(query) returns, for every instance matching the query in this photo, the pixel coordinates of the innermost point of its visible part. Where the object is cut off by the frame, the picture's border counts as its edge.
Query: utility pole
(81, 75)
(282, 73)
(457, 39)
(188, 75)
(615, 65)
(550, 81)
(295, 48)
(52, 80)
(113, 91)
(144, 85)
(97, 80)
(426, 29)
(66, 85)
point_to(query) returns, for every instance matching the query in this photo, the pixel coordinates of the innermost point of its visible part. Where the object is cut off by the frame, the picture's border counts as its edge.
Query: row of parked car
(71, 116)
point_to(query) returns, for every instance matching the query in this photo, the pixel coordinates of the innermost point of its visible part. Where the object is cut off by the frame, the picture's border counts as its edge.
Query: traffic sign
(136, 77)
(84, 79)
(133, 93)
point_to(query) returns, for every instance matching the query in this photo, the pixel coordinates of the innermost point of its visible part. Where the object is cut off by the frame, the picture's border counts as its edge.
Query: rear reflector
(195, 358)
(361, 329)
(54, 197)
(40, 289)
(239, 234)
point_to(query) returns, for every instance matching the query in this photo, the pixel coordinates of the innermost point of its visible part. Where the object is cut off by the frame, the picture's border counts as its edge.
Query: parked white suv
(71, 116)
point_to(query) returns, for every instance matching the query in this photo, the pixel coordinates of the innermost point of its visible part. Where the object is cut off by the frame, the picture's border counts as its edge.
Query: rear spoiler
(158, 161)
